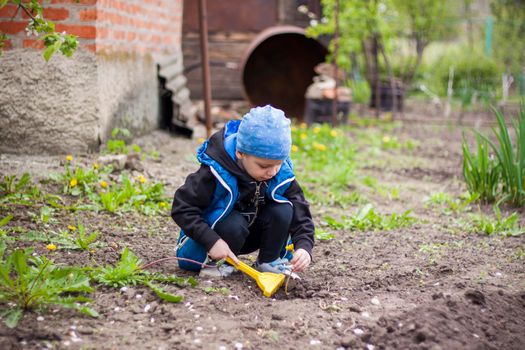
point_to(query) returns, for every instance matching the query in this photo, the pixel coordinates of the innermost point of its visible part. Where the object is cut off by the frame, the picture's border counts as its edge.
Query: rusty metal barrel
(278, 66)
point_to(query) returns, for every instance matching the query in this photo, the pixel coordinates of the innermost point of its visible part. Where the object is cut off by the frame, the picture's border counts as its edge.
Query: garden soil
(430, 286)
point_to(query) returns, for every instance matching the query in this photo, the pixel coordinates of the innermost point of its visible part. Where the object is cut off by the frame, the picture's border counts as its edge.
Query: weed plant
(34, 283)
(368, 219)
(146, 198)
(128, 271)
(506, 226)
(500, 177)
(20, 191)
(481, 171)
(449, 204)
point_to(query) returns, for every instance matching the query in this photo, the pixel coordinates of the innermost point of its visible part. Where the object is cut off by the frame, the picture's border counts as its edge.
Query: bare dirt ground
(364, 290)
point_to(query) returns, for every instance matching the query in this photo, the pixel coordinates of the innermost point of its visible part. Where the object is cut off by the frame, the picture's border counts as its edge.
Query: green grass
(368, 219)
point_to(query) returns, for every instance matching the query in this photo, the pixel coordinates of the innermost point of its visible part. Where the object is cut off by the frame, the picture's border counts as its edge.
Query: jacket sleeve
(189, 202)
(302, 227)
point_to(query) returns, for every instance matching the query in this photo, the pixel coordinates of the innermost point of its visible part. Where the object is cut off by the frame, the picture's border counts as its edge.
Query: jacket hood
(216, 149)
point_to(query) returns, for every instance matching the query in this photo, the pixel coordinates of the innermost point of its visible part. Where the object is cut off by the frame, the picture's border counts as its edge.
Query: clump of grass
(499, 177)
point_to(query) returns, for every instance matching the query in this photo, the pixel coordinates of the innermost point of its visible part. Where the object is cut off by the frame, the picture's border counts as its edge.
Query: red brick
(10, 27)
(75, 2)
(88, 15)
(90, 47)
(131, 36)
(34, 44)
(56, 14)
(8, 11)
(53, 14)
(82, 31)
(102, 33)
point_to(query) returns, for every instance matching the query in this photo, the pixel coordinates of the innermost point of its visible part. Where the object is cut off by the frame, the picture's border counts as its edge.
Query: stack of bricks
(133, 26)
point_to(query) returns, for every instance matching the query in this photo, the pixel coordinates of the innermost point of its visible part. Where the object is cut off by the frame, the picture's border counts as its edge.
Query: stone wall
(71, 105)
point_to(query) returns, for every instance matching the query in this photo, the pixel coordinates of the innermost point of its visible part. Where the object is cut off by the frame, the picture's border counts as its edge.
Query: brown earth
(364, 290)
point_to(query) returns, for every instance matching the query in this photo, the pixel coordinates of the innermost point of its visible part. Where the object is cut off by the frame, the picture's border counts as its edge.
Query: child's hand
(221, 250)
(301, 260)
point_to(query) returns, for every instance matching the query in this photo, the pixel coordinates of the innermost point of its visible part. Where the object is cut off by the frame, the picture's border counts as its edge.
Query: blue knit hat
(265, 133)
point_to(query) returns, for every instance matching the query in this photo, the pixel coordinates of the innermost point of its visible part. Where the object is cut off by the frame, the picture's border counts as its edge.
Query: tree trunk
(392, 82)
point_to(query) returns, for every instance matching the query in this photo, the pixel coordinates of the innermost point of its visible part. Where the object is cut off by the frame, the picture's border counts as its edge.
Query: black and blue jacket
(220, 185)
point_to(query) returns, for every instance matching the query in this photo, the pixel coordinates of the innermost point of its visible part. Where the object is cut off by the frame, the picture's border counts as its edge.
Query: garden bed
(428, 283)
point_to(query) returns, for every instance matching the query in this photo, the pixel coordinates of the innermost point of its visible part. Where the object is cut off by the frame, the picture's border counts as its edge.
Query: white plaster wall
(127, 92)
(71, 105)
(48, 107)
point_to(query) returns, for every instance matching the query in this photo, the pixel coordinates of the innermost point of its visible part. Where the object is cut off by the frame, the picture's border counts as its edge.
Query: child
(245, 197)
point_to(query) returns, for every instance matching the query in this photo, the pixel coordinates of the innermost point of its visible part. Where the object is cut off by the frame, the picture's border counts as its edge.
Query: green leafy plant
(77, 180)
(19, 192)
(481, 171)
(43, 29)
(4, 222)
(368, 219)
(511, 156)
(323, 235)
(506, 226)
(35, 283)
(501, 178)
(140, 195)
(128, 271)
(83, 239)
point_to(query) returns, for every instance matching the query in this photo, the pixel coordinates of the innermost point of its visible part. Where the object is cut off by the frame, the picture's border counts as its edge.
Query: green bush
(473, 73)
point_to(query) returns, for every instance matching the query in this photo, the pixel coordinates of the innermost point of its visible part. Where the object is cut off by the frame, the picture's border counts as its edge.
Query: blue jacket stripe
(223, 183)
(277, 187)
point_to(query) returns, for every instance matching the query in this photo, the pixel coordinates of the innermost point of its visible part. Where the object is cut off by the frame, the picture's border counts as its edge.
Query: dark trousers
(268, 233)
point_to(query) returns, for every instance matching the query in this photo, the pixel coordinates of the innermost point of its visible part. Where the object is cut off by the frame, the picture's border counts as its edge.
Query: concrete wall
(48, 107)
(71, 105)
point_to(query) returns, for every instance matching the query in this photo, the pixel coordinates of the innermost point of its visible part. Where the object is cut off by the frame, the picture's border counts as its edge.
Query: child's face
(260, 169)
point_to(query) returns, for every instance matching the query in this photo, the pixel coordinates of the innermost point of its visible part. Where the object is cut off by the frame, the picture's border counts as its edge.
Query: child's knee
(282, 212)
(194, 253)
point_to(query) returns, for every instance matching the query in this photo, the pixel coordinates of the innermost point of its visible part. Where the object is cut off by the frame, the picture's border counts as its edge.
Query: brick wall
(135, 26)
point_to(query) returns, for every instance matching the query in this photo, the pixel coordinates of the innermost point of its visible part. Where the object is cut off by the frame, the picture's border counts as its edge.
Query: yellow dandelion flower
(201, 139)
(71, 228)
(163, 204)
(319, 146)
(69, 157)
(51, 247)
(294, 128)
(96, 166)
(103, 184)
(295, 148)
(316, 130)
(386, 139)
(141, 178)
(73, 182)
(303, 125)
(303, 136)
(334, 133)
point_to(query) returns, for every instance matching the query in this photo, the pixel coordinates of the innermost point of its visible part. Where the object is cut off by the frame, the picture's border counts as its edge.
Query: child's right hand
(221, 250)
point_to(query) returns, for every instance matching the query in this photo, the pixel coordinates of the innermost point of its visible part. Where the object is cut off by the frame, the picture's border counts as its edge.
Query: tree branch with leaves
(43, 29)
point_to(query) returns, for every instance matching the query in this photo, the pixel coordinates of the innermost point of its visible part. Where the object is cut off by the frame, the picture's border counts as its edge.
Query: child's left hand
(301, 260)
